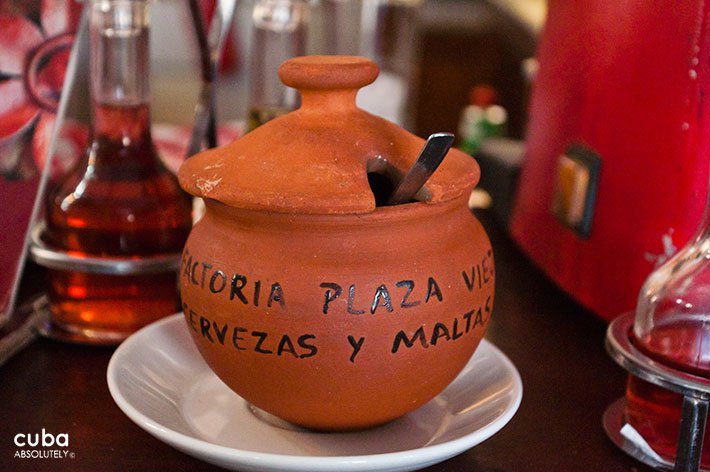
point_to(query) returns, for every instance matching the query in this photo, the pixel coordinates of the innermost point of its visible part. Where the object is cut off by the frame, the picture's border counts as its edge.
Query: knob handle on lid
(328, 82)
(328, 72)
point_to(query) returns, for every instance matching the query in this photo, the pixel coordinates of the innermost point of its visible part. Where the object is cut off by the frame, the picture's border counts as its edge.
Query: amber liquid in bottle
(120, 201)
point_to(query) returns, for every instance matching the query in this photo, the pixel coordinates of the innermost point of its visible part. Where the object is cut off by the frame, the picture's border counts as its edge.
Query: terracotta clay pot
(307, 299)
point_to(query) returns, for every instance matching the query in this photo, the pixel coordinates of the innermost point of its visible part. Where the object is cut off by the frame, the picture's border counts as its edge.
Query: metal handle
(211, 46)
(690, 437)
(431, 155)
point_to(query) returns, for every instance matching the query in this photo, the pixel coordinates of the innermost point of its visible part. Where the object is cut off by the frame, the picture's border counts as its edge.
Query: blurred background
(450, 47)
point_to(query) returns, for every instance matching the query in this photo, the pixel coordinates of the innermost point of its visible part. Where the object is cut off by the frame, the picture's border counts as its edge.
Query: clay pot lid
(316, 159)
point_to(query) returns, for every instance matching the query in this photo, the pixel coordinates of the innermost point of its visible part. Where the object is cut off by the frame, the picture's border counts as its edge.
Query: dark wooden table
(568, 380)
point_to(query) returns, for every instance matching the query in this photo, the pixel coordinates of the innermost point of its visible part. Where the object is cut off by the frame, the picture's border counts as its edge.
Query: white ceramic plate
(160, 381)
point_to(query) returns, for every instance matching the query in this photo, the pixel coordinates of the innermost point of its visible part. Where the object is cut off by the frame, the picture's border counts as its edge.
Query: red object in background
(35, 40)
(230, 56)
(622, 82)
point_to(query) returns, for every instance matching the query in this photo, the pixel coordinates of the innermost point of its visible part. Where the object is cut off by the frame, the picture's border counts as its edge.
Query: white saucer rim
(203, 448)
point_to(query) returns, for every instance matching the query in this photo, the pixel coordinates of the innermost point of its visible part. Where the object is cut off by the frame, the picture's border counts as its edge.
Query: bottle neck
(129, 125)
(119, 61)
(279, 30)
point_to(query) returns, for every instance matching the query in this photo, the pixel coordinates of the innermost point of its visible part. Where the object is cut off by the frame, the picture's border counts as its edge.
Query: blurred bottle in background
(279, 32)
(481, 119)
(384, 31)
(119, 205)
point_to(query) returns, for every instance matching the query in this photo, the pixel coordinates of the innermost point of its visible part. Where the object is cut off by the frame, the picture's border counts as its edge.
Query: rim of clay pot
(406, 214)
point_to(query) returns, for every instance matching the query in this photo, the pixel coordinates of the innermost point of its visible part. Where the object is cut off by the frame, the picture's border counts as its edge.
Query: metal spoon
(433, 152)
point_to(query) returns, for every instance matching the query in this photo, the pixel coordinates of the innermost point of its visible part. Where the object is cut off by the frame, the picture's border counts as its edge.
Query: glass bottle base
(77, 335)
(83, 332)
(105, 309)
(655, 413)
(613, 421)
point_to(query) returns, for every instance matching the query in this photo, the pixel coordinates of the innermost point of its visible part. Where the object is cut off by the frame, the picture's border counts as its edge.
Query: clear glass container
(673, 312)
(672, 326)
(279, 32)
(119, 204)
(384, 31)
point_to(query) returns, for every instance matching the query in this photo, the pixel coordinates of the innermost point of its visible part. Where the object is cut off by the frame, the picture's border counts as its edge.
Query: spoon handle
(433, 152)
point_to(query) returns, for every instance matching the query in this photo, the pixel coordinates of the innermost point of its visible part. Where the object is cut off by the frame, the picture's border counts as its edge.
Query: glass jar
(672, 326)
(384, 31)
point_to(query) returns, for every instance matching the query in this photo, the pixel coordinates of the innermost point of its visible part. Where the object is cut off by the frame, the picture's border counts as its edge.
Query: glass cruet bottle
(119, 203)
(384, 31)
(672, 326)
(279, 32)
